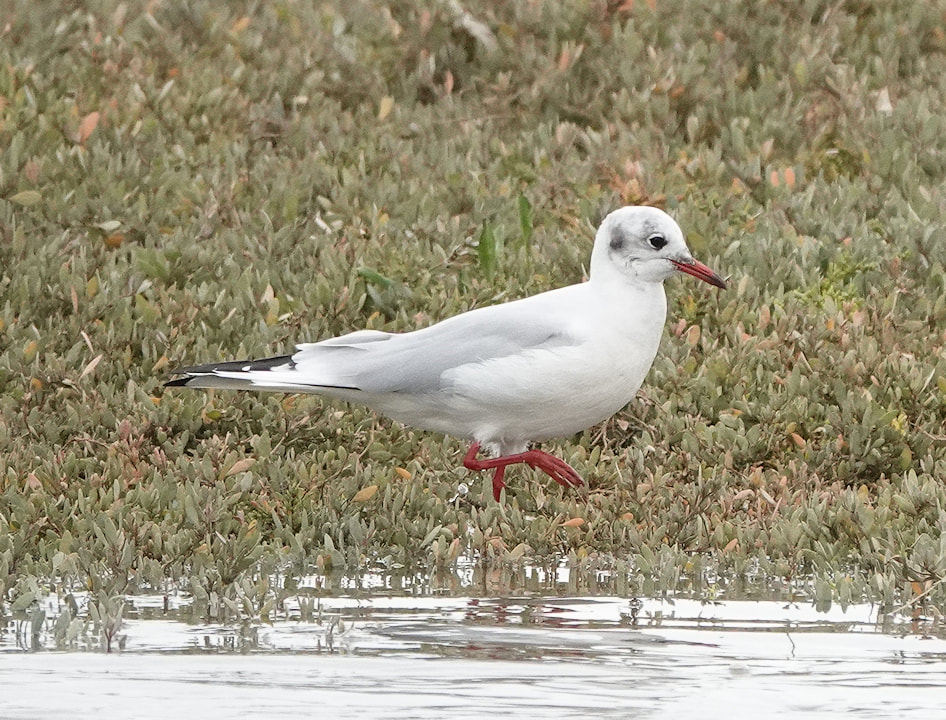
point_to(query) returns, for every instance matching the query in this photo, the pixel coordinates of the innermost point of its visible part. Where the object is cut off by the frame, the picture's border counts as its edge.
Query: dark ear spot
(617, 239)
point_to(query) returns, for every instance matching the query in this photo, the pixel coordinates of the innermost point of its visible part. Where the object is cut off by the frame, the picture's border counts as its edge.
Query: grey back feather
(415, 362)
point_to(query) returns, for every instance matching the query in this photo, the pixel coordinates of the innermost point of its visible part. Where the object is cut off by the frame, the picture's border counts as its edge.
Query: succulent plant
(182, 181)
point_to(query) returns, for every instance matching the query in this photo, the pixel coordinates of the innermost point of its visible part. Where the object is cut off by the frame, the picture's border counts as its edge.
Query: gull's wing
(417, 362)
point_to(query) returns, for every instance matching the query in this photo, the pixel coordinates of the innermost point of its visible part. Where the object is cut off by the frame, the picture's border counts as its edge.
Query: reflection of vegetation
(324, 613)
(181, 184)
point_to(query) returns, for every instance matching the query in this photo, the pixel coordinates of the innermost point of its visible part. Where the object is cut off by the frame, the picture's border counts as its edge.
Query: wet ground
(462, 657)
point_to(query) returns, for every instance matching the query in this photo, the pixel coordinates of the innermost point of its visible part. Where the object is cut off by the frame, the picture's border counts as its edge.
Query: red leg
(560, 471)
(498, 483)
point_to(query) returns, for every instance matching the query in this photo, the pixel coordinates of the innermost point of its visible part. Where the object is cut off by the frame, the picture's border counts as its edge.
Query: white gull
(507, 375)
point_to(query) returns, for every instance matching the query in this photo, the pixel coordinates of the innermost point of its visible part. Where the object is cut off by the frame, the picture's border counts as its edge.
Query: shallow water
(459, 657)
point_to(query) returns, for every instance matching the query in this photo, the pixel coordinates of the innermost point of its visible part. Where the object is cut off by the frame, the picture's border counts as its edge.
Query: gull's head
(645, 244)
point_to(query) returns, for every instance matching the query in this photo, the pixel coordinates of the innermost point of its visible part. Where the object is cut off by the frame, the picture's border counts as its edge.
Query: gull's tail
(233, 375)
(276, 374)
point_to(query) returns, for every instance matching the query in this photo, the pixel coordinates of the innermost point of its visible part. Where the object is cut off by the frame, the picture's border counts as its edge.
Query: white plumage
(507, 375)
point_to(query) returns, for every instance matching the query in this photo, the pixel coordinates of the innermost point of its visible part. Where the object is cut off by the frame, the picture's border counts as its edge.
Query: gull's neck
(634, 307)
(607, 278)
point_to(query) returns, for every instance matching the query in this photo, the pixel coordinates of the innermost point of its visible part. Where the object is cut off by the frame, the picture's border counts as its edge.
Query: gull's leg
(469, 460)
(559, 470)
(498, 483)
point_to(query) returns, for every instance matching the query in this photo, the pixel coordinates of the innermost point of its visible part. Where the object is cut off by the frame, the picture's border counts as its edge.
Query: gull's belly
(558, 402)
(536, 395)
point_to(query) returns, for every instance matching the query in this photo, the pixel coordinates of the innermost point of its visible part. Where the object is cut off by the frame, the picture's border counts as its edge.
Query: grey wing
(415, 362)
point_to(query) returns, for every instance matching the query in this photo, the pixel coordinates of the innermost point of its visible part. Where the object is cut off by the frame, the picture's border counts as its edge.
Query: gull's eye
(657, 241)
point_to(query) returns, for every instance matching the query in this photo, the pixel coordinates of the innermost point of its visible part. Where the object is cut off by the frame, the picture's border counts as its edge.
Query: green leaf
(153, 263)
(525, 220)
(486, 249)
(26, 198)
(432, 535)
(22, 602)
(375, 278)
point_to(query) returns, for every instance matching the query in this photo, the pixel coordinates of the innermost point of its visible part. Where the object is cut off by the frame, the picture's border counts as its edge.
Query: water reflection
(559, 640)
(376, 653)
(386, 609)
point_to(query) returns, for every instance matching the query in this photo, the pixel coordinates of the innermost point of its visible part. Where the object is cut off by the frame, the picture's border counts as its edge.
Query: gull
(504, 376)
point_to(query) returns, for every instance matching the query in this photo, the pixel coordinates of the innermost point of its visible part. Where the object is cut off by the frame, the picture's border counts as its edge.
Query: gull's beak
(699, 270)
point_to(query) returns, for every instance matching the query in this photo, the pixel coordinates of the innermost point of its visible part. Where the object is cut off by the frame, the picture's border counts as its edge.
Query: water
(461, 657)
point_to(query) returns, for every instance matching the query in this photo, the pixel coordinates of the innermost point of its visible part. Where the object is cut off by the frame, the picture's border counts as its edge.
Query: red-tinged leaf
(87, 127)
(365, 494)
(564, 60)
(790, 178)
(240, 466)
(31, 171)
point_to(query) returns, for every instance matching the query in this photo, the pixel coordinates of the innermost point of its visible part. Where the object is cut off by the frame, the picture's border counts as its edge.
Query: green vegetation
(194, 181)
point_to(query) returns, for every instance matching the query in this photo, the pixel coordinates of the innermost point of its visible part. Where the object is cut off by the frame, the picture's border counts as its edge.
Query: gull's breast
(541, 394)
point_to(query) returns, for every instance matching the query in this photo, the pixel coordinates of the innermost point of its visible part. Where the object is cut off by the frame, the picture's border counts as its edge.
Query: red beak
(699, 270)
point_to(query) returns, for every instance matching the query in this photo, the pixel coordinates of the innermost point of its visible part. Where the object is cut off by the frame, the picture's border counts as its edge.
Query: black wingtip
(230, 366)
(237, 365)
(178, 382)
